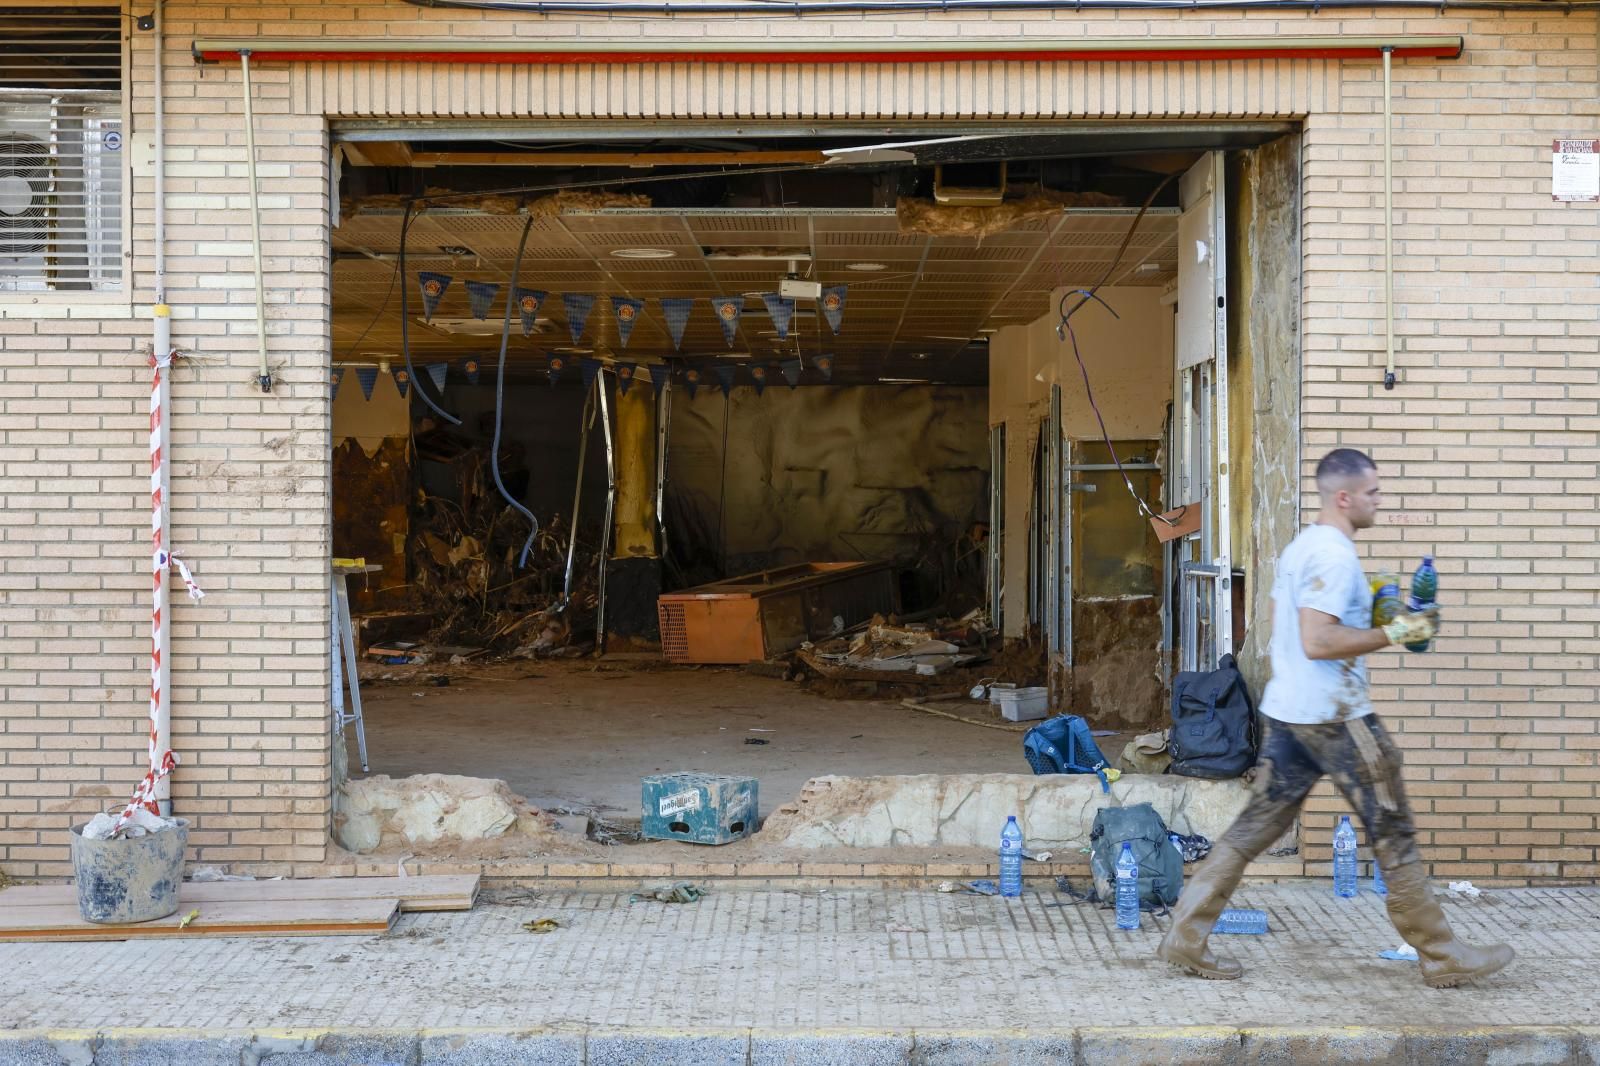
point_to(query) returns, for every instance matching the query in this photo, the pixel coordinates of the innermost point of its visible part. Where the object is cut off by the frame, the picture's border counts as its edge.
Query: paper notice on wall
(1574, 171)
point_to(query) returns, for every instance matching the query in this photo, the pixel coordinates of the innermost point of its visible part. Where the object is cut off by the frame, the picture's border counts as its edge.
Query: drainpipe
(1388, 221)
(263, 375)
(161, 439)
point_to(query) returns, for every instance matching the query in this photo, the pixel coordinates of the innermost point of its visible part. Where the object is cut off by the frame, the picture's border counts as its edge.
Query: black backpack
(1213, 723)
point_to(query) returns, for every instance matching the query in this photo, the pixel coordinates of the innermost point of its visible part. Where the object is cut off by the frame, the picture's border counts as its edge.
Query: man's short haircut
(1342, 464)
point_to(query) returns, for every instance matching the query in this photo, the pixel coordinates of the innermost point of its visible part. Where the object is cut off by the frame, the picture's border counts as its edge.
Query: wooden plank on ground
(288, 918)
(429, 892)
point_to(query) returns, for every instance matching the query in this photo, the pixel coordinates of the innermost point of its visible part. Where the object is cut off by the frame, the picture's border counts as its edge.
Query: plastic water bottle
(1386, 601)
(1424, 591)
(1378, 887)
(1344, 859)
(1127, 888)
(1011, 858)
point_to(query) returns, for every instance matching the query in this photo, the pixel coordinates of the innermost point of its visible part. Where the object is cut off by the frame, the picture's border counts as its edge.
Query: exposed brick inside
(1492, 433)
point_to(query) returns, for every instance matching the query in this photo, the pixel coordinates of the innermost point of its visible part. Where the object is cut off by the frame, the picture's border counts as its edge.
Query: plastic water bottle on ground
(1240, 920)
(1011, 858)
(1378, 886)
(1344, 859)
(1127, 888)
(1424, 591)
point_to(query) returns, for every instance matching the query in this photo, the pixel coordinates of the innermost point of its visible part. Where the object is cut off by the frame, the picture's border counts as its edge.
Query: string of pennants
(723, 376)
(676, 311)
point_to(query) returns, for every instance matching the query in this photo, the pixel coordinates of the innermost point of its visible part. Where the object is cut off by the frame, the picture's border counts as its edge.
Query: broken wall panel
(827, 474)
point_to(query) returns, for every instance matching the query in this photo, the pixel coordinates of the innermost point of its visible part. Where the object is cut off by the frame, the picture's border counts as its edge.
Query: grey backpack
(1160, 862)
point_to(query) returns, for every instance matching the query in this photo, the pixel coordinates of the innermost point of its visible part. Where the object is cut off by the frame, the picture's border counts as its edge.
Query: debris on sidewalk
(187, 919)
(1465, 888)
(682, 892)
(542, 925)
(1404, 953)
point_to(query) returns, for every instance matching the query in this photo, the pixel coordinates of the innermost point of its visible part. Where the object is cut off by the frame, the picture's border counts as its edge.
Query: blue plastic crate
(699, 808)
(1239, 920)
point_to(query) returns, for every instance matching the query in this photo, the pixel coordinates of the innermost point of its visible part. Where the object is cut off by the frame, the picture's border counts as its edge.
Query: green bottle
(1424, 590)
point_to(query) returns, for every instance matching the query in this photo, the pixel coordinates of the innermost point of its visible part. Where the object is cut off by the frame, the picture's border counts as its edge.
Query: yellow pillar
(636, 474)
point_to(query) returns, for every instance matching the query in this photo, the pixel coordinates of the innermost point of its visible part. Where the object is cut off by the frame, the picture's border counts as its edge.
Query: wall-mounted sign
(1574, 170)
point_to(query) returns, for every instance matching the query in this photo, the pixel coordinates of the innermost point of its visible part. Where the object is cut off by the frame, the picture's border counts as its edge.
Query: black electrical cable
(405, 333)
(500, 397)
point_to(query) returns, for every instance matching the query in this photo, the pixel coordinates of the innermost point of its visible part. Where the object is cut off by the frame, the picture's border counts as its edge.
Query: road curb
(611, 1046)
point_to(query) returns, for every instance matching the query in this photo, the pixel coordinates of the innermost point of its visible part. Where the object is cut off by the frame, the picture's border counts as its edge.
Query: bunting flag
(676, 312)
(433, 286)
(338, 376)
(625, 373)
(791, 371)
(832, 303)
(724, 374)
(437, 372)
(691, 380)
(824, 363)
(469, 367)
(781, 308)
(558, 363)
(368, 377)
(728, 309)
(758, 374)
(660, 374)
(402, 381)
(528, 303)
(578, 305)
(627, 311)
(480, 295)
(590, 368)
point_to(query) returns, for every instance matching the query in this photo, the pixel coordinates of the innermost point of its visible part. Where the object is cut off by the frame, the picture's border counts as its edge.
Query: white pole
(1388, 222)
(263, 375)
(160, 441)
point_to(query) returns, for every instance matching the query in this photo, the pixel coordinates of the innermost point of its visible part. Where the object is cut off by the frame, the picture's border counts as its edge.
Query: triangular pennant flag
(691, 380)
(558, 363)
(528, 303)
(338, 376)
(627, 311)
(824, 364)
(791, 371)
(660, 374)
(728, 309)
(368, 377)
(437, 372)
(832, 303)
(578, 305)
(480, 295)
(781, 308)
(469, 367)
(625, 376)
(724, 374)
(758, 374)
(676, 312)
(590, 368)
(433, 286)
(402, 381)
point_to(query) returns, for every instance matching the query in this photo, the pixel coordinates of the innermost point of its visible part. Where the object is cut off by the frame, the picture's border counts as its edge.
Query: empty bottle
(1344, 858)
(1424, 590)
(1127, 888)
(1011, 858)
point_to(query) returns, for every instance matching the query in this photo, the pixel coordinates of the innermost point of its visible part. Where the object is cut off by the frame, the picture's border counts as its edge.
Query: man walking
(1322, 723)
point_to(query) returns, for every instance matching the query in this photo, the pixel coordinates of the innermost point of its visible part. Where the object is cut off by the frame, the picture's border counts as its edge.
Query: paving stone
(1508, 1046)
(170, 1049)
(667, 1049)
(1292, 1047)
(1189, 1046)
(502, 1049)
(31, 1050)
(340, 1049)
(987, 1049)
(825, 1049)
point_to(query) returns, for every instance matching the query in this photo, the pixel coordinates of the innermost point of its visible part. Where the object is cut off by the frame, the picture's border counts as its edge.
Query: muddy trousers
(1364, 765)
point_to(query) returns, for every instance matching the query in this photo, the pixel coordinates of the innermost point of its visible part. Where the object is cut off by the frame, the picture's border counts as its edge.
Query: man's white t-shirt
(1320, 570)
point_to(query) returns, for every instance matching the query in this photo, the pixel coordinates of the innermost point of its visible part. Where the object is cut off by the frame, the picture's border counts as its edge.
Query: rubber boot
(1199, 905)
(1444, 960)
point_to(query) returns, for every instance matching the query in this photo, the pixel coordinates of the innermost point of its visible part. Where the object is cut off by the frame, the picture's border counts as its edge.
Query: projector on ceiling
(799, 289)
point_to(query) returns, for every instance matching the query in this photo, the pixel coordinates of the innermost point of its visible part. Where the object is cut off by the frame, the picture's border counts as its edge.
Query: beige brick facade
(1493, 432)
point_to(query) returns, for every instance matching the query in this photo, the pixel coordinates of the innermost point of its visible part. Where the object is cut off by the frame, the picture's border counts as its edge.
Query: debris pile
(882, 646)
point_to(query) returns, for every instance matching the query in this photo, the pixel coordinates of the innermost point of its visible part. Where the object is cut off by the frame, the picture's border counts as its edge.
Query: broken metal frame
(663, 425)
(1199, 614)
(611, 505)
(997, 517)
(585, 427)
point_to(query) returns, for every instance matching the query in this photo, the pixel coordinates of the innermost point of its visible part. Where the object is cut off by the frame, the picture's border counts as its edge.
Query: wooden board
(431, 892)
(288, 918)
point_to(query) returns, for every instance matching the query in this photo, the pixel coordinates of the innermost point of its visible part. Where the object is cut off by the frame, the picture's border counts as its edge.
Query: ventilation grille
(61, 150)
(674, 632)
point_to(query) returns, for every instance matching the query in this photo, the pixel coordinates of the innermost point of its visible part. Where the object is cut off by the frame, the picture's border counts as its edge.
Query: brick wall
(1492, 432)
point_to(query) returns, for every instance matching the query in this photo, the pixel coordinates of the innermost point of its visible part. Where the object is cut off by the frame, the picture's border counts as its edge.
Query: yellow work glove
(1413, 628)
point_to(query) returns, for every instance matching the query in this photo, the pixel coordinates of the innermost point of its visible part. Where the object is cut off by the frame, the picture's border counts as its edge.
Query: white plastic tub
(1020, 704)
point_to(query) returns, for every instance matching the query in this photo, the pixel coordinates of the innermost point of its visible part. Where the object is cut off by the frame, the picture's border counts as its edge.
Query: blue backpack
(1064, 745)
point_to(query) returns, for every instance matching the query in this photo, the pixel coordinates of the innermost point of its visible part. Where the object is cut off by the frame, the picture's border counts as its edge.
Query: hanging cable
(1065, 331)
(405, 321)
(500, 399)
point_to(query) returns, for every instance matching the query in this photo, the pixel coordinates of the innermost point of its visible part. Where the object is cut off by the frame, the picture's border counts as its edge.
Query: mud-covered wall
(822, 473)
(1264, 381)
